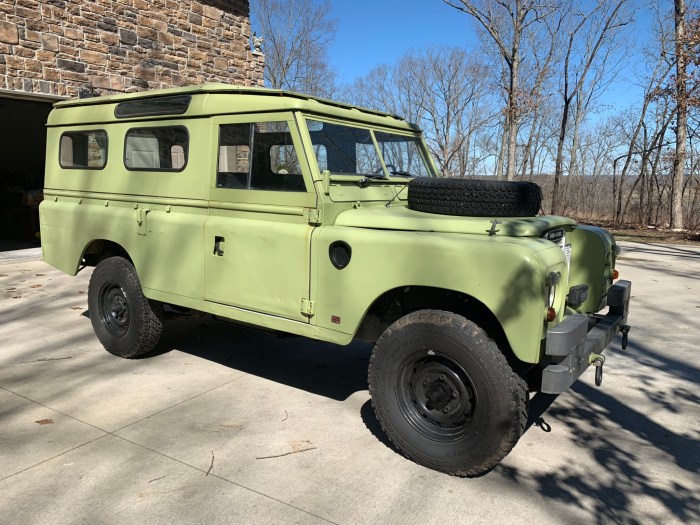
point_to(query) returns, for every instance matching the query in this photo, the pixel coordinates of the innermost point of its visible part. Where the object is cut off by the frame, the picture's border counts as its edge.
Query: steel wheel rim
(114, 308)
(436, 396)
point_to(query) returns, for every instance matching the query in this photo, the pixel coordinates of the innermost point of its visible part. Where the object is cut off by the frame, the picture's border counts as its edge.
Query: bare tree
(392, 89)
(505, 22)
(536, 81)
(441, 89)
(596, 26)
(452, 82)
(296, 35)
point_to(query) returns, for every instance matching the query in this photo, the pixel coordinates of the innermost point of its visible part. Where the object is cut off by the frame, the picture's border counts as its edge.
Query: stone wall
(72, 47)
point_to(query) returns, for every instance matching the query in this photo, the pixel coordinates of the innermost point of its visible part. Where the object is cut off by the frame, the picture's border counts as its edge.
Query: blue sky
(380, 31)
(374, 32)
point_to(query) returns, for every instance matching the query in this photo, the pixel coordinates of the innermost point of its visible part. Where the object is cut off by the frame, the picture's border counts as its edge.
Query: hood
(401, 218)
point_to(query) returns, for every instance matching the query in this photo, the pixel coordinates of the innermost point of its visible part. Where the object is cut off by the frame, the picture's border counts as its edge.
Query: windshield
(348, 150)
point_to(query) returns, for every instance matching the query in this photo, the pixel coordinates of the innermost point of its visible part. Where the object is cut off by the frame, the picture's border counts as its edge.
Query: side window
(258, 156)
(234, 156)
(83, 149)
(156, 149)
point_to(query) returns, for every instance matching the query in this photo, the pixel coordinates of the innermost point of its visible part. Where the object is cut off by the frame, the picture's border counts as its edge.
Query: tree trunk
(681, 118)
(559, 164)
(502, 152)
(512, 115)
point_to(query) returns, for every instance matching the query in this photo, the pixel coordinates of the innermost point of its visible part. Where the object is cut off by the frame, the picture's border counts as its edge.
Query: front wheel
(125, 321)
(445, 394)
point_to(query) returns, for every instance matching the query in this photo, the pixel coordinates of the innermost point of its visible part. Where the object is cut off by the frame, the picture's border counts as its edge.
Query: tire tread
(474, 197)
(150, 313)
(492, 354)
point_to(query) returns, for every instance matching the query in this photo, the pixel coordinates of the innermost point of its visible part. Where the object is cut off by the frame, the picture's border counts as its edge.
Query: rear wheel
(445, 394)
(125, 321)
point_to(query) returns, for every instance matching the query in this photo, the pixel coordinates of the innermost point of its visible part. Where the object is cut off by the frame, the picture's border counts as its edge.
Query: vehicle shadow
(627, 454)
(320, 368)
(539, 405)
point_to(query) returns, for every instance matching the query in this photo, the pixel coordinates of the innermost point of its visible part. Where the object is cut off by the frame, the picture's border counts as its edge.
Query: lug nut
(445, 410)
(442, 377)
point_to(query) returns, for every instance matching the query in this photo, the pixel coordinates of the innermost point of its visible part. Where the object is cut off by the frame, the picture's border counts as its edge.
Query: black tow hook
(625, 330)
(597, 360)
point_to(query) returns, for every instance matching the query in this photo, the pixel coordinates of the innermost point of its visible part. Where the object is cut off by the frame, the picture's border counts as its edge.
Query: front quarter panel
(505, 274)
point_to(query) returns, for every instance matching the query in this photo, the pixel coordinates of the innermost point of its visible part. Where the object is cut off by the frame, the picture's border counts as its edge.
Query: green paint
(261, 256)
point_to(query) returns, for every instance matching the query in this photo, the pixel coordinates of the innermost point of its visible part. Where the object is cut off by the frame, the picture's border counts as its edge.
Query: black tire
(125, 321)
(444, 393)
(474, 198)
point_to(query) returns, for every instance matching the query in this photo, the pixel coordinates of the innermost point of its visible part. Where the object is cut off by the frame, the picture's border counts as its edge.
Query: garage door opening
(22, 150)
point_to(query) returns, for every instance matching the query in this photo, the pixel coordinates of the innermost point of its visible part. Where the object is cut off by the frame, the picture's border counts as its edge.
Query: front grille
(558, 237)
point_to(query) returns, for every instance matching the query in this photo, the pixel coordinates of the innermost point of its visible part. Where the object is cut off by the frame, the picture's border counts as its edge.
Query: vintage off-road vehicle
(309, 217)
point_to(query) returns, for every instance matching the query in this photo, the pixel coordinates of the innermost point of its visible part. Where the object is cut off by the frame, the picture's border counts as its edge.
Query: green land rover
(305, 216)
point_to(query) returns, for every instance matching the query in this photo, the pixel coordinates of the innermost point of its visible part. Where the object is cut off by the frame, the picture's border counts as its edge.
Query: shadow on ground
(595, 421)
(617, 441)
(618, 444)
(320, 368)
(624, 451)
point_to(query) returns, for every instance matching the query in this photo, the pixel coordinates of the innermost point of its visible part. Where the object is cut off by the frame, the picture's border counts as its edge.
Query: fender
(506, 274)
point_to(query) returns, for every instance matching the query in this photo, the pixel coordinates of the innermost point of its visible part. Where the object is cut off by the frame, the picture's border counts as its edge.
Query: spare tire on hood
(474, 198)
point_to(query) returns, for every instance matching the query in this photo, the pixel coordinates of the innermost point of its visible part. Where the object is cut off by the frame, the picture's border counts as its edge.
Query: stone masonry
(74, 47)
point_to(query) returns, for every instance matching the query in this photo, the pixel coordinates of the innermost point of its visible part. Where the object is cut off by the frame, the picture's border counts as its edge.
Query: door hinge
(314, 216)
(307, 308)
(141, 215)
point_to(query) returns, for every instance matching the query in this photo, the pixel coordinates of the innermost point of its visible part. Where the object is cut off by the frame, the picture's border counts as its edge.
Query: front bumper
(571, 343)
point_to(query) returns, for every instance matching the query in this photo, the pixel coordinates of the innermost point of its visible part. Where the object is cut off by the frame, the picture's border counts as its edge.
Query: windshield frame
(417, 136)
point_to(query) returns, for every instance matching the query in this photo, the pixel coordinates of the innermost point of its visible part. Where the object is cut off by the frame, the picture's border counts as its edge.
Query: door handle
(218, 245)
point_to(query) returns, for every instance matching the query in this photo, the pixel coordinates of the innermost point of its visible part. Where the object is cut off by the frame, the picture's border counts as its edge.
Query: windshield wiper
(401, 173)
(364, 181)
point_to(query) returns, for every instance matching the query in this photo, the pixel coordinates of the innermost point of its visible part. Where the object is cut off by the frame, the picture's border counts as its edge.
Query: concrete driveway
(235, 426)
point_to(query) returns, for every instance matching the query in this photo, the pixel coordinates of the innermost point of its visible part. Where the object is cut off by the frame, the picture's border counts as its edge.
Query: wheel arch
(400, 301)
(99, 249)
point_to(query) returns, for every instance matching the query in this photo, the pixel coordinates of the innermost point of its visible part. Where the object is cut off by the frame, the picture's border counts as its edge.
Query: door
(257, 235)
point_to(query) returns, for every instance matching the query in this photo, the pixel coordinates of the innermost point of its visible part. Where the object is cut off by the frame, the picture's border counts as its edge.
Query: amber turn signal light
(616, 274)
(551, 314)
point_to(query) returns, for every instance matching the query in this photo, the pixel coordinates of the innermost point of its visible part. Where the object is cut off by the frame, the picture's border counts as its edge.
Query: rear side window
(156, 149)
(83, 150)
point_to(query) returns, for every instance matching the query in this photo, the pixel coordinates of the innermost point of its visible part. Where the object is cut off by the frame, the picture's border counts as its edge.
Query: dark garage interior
(22, 150)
